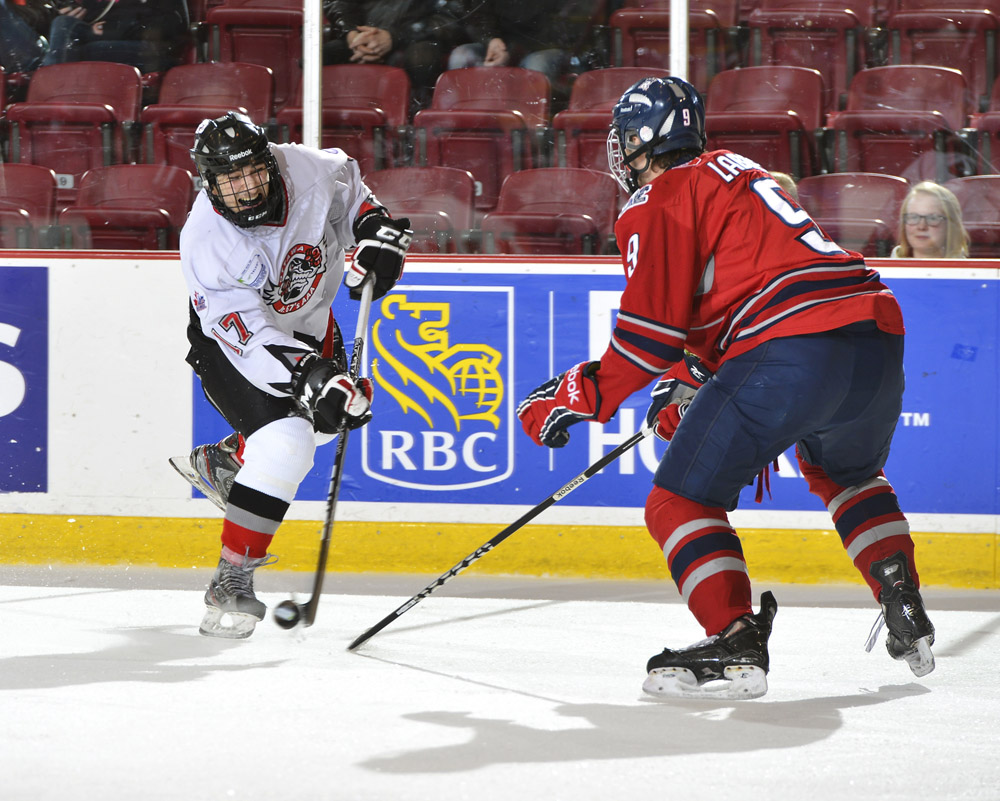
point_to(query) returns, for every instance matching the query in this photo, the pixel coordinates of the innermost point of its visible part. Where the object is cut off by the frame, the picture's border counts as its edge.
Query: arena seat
(439, 202)
(640, 37)
(984, 134)
(27, 204)
(903, 120)
(267, 32)
(948, 35)
(858, 210)
(581, 130)
(979, 197)
(825, 35)
(770, 114)
(365, 110)
(76, 116)
(488, 120)
(130, 207)
(191, 93)
(552, 210)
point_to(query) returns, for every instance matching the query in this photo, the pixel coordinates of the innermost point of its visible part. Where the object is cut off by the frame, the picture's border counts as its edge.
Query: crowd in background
(424, 37)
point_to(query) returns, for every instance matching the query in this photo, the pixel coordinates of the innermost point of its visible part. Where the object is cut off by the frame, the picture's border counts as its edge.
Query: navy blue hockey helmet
(653, 117)
(226, 145)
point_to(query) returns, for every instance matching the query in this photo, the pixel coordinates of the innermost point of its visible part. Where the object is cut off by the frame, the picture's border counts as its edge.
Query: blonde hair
(956, 241)
(786, 182)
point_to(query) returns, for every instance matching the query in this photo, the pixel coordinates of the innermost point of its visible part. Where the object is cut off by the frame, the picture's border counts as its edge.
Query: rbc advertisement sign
(452, 354)
(24, 368)
(440, 363)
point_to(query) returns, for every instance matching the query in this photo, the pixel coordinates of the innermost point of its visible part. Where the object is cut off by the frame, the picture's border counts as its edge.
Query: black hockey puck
(287, 614)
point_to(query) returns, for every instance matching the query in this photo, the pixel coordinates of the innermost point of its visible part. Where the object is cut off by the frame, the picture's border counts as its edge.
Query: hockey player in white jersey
(263, 254)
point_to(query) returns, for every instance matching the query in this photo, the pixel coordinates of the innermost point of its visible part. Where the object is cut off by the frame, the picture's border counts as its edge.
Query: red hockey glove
(672, 395)
(559, 403)
(382, 244)
(330, 395)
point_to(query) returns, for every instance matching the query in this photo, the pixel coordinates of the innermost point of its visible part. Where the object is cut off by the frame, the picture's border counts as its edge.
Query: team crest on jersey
(640, 196)
(301, 273)
(445, 415)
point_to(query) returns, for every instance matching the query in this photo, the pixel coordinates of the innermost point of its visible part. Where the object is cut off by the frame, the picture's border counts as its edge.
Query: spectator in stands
(23, 28)
(416, 35)
(551, 36)
(930, 225)
(148, 34)
(786, 182)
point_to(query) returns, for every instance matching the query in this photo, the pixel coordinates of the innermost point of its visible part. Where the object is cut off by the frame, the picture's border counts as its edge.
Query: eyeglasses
(933, 220)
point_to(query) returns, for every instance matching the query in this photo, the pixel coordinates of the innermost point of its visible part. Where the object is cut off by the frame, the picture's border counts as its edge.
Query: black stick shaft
(488, 546)
(309, 609)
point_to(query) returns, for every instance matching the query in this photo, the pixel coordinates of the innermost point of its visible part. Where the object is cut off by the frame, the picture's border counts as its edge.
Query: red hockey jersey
(720, 259)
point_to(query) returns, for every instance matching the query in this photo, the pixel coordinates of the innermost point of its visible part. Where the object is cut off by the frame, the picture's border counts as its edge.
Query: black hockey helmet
(229, 143)
(653, 117)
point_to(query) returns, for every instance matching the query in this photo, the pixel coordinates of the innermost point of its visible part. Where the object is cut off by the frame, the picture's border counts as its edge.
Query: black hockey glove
(672, 395)
(382, 244)
(331, 396)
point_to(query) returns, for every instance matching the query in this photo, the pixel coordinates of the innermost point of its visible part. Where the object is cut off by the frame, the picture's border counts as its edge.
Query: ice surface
(110, 693)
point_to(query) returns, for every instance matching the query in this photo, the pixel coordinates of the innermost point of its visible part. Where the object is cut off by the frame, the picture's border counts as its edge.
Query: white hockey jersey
(264, 293)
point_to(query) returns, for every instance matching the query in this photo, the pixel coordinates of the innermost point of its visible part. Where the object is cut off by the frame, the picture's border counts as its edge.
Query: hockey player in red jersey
(763, 334)
(263, 254)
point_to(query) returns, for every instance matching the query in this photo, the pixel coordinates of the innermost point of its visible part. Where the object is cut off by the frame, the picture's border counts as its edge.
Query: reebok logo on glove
(559, 403)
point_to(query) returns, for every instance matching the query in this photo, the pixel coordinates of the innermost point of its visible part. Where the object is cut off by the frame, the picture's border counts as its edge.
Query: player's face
(244, 187)
(926, 226)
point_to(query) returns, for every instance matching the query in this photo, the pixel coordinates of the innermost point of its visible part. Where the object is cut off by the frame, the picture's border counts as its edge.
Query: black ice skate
(911, 633)
(730, 665)
(232, 609)
(211, 469)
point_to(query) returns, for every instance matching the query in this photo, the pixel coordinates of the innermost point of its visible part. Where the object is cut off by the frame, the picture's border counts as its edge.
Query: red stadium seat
(76, 116)
(903, 120)
(27, 204)
(193, 92)
(826, 35)
(267, 32)
(581, 131)
(640, 37)
(964, 38)
(130, 206)
(365, 110)
(979, 197)
(439, 202)
(769, 114)
(487, 120)
(728, 11)
(985, 136)
(553, 210)
(858, 210)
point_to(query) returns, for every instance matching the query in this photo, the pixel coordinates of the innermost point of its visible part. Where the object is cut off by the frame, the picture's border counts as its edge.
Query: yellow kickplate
(626, 552)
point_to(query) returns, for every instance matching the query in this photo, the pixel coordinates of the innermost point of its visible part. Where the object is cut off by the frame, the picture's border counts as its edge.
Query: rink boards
(95, 395)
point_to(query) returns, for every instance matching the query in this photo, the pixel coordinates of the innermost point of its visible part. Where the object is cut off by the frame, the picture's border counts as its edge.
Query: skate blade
(738, 684)
(182, 464)
(228, 625)
(920, 659)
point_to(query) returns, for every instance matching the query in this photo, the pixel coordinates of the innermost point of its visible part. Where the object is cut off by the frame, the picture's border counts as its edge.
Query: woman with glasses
(930, 225)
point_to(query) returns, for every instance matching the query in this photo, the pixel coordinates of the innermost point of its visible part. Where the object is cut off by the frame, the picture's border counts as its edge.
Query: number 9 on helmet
(654, 116)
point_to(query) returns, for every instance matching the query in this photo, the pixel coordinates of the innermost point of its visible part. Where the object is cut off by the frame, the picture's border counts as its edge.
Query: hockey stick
(288, 613)
(483, 549)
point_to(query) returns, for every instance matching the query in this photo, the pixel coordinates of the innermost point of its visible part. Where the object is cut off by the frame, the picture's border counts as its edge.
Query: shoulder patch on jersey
(254, 272)
(638, 198)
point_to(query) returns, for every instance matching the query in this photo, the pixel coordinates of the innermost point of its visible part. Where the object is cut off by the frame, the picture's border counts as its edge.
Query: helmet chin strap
(634, 172)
